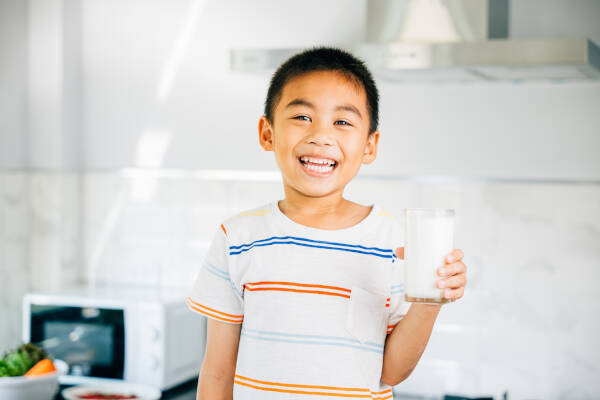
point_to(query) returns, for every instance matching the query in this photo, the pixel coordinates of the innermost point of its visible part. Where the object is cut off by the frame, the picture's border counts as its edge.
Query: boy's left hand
(454, 273)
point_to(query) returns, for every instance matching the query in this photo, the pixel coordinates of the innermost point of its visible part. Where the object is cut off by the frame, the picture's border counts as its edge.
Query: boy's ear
(265, 133)
(371, 148)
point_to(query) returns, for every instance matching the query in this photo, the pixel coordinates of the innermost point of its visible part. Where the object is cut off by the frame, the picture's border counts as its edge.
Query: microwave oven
(142, 335)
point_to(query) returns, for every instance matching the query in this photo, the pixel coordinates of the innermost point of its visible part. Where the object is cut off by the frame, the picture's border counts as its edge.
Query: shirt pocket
(366, 317)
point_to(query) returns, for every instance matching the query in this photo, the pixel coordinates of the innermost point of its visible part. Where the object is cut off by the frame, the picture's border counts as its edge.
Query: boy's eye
(342, 122)
(302, 117)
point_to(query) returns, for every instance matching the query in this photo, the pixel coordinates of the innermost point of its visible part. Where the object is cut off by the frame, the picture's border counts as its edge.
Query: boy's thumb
(400, 253)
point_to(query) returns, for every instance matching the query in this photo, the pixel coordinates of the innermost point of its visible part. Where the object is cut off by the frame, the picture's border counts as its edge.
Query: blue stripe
(397, 286)
(216, 271)
(221, 274)
(313, 337)
(312, 241)
(231, 253)
(309, 342)
(236, 289)
(216, 274)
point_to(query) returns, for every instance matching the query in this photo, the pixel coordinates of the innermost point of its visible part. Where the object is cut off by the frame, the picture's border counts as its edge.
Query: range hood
(450, 40)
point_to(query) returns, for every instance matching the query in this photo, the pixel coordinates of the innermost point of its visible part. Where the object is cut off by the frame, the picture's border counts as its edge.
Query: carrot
(42, 367)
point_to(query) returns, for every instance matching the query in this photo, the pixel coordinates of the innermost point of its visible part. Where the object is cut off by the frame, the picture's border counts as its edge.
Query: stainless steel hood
(450, 40)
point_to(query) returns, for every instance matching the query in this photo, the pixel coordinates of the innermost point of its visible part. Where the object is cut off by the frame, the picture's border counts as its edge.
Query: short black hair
(324, 59)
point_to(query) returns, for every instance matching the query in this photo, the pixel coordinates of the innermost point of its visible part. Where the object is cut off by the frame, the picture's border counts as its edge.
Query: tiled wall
(527, 324)
(40, 240)
(14, 248)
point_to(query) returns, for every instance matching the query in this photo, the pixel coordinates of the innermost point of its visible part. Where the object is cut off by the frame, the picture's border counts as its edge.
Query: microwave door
(90, 340)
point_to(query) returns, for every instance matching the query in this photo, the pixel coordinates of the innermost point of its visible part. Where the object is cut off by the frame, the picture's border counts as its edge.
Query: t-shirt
(315, 305)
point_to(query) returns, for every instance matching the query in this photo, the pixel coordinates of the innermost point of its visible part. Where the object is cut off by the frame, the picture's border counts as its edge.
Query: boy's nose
(320, 140)
(320, 136)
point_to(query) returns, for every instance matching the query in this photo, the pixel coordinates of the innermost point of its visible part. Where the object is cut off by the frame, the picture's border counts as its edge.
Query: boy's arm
(218, 368)
(405, 345)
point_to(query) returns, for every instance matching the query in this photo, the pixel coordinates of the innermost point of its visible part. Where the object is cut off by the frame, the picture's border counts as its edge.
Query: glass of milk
(429, 238)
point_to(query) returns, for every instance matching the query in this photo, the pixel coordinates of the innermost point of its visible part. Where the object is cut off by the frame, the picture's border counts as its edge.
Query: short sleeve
(214, 294)
(398, 306)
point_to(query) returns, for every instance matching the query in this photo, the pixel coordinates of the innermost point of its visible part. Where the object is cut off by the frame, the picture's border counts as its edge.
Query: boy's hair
(324, 59)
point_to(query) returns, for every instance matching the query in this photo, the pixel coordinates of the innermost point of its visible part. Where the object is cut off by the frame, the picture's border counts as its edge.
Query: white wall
(13, 83)
(538, 130)
(130, 47)
(39, 130)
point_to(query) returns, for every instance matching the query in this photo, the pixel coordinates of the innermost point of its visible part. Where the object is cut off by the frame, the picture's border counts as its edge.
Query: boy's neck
(298, 203)
(328, 212)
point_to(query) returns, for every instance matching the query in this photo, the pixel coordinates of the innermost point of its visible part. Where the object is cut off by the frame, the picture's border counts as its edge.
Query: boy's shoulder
(385, 213)
(250, 218)
(389, 218)
(251, 214)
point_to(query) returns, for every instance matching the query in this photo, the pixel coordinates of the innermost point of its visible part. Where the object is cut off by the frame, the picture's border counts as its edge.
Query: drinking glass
(429, 238)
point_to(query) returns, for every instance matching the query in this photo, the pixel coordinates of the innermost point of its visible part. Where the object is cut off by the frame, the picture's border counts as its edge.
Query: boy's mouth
(317, 166)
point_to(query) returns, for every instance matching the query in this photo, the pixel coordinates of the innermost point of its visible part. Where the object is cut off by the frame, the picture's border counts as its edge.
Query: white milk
(429, 235)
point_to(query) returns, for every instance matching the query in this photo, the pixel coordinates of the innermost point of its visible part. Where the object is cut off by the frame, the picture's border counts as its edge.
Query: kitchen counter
(184, 391)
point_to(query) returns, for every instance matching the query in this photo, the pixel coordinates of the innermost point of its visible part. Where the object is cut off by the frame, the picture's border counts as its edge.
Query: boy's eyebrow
(346, 106)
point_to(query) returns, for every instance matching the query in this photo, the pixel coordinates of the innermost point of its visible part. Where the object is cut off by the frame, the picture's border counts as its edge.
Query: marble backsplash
(527, 324)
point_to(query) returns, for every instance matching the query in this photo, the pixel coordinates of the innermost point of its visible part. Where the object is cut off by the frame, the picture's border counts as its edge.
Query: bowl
(143, 392)
(43, 387)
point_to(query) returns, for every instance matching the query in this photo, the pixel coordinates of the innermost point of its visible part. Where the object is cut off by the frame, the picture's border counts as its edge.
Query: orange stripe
(299, 284)
(212, 315)
(213, 310)
(222, 227)
(314, 387)
(383, 391)
(303, 386)
(364, 396)
(300, 291)
(383, 398)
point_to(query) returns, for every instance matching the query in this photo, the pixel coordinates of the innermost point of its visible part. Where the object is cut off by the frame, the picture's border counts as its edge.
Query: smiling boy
(304, 295)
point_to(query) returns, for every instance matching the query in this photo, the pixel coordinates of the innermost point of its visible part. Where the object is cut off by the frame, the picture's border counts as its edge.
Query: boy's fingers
(452, 269)
(455, 255)
(400, 253)
(454, 294)
(455, 281)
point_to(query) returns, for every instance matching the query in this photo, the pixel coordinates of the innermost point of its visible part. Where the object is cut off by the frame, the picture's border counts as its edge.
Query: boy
(304, 295)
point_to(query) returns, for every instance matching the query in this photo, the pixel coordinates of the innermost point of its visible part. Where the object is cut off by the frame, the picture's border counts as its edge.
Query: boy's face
(319, 133)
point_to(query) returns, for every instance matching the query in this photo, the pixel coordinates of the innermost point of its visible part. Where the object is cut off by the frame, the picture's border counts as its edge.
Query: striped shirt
(315, 305)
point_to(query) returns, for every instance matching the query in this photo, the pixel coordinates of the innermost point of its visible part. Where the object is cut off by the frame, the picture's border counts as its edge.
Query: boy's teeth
(319, 168)
(317, 160)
